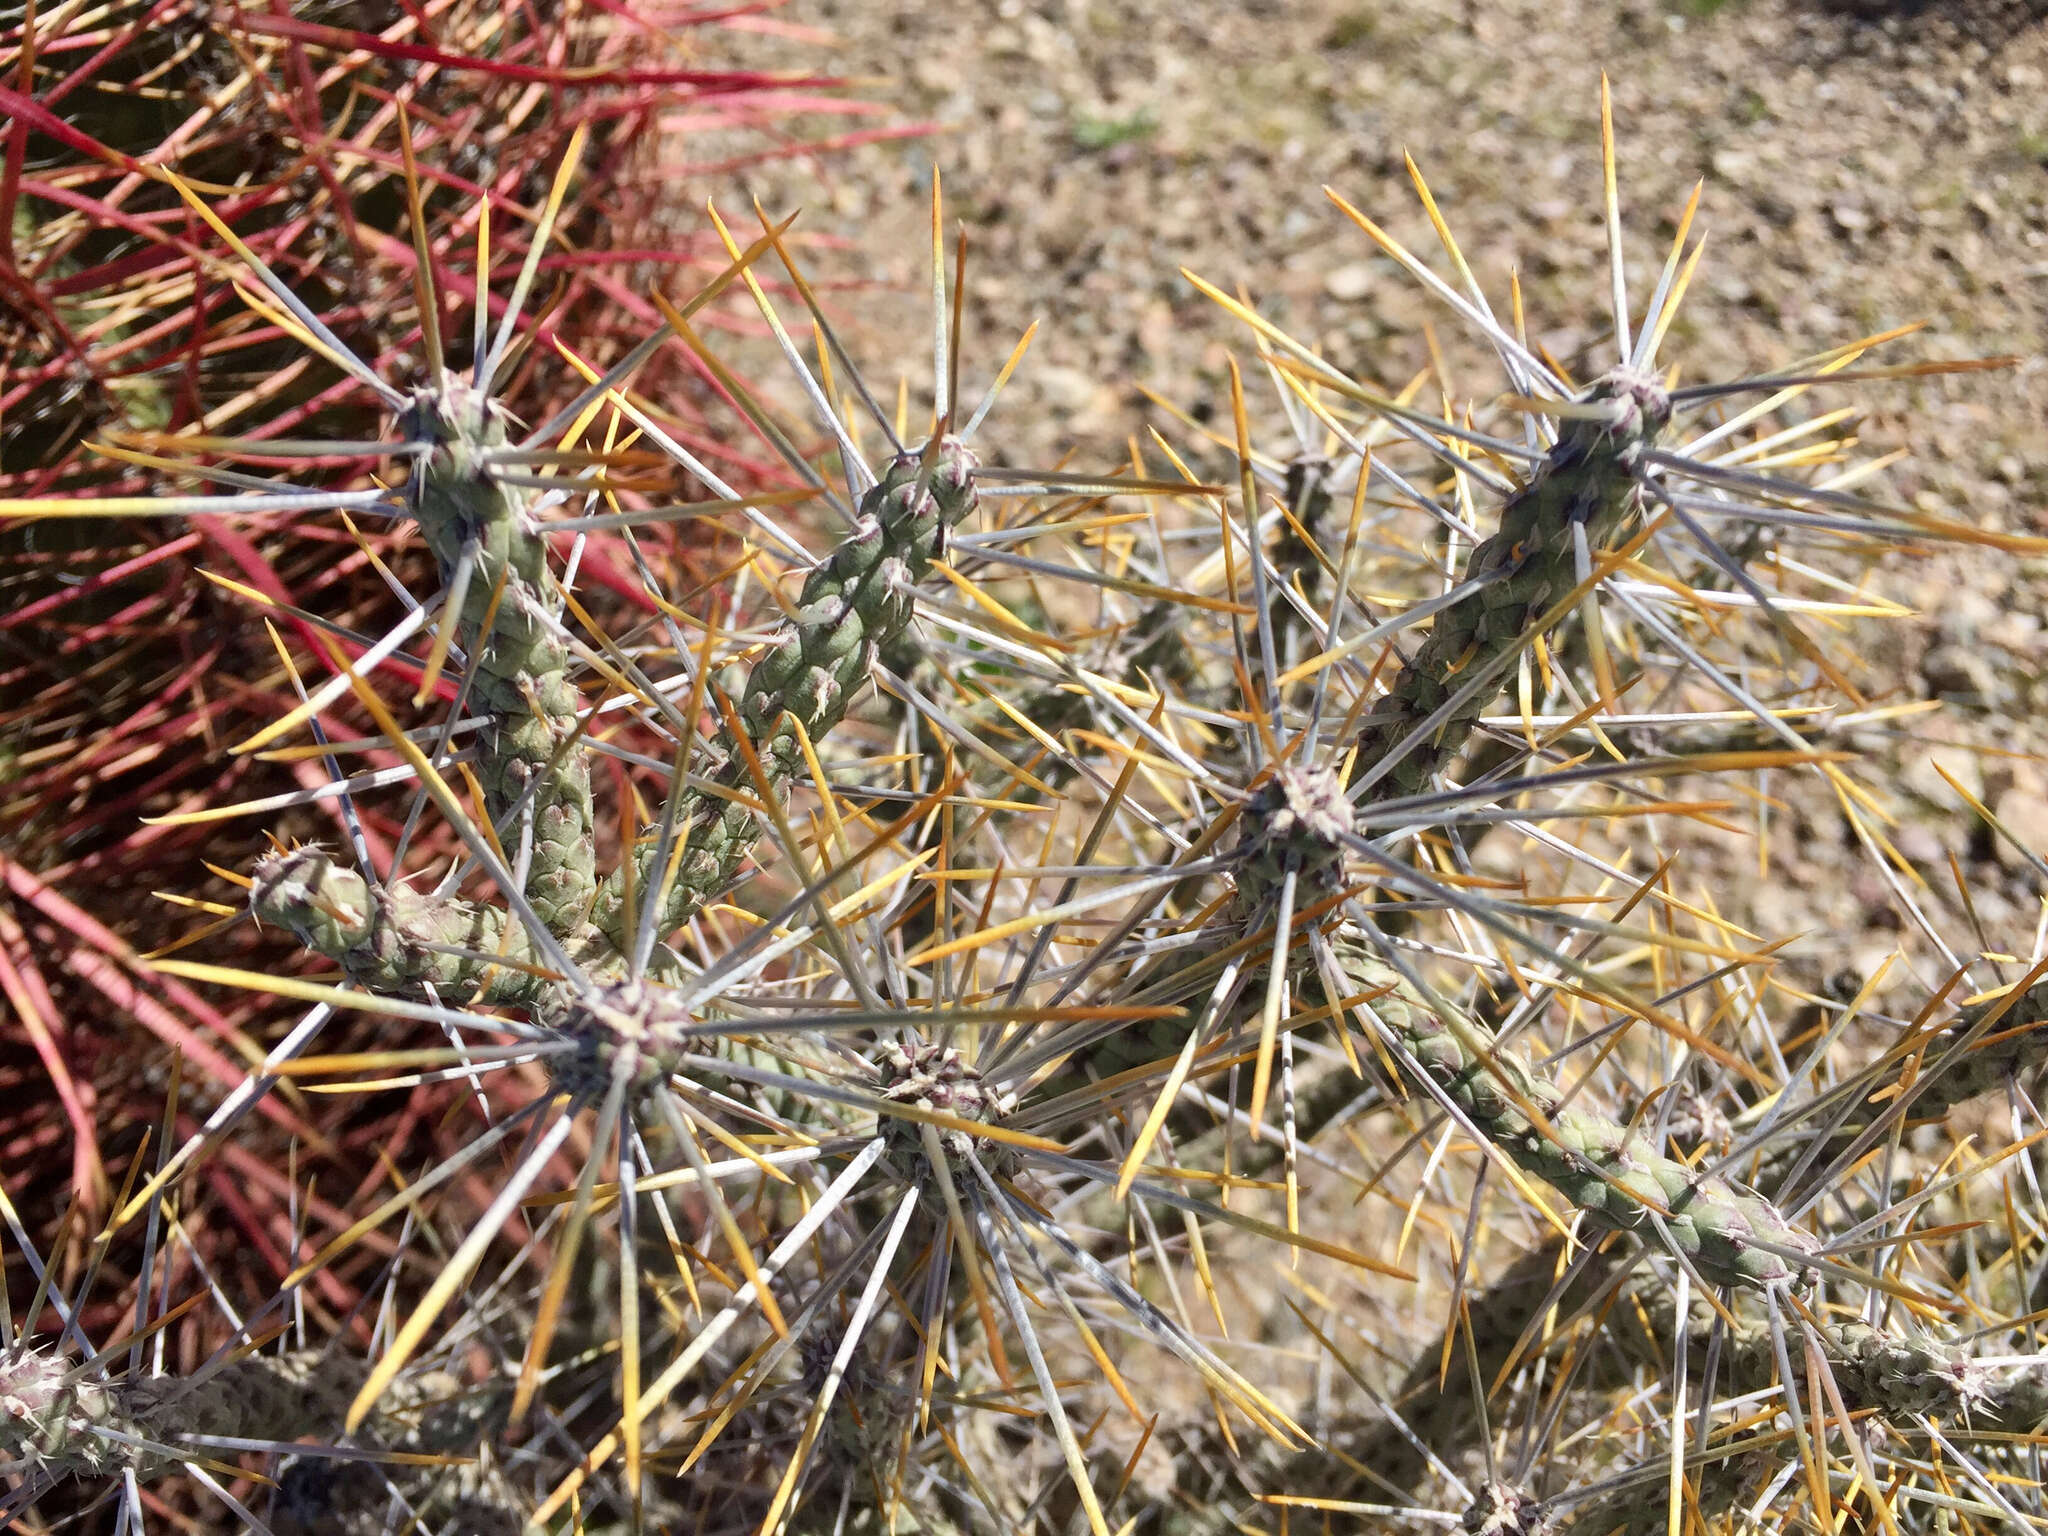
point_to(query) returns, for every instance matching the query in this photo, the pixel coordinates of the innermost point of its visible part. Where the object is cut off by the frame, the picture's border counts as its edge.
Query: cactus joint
(633, 1030)
(936, 1077)
(1297, 820)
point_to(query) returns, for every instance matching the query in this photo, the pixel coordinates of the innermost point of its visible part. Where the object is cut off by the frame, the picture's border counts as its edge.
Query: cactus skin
(385, 938)
(1893, 1376)
(519, 683)
(1613, 1173)
(47, 1422)
(2016, 1042)
(519, 672)
(1591, 477)
(854, 602)
(1295, 822)
(1896, 1380)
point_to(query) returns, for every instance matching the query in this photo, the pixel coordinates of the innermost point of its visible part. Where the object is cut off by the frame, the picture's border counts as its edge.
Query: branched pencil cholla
(899, 997)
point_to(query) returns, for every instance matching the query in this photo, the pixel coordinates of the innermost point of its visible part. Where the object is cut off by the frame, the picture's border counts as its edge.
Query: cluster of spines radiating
(1033, 916)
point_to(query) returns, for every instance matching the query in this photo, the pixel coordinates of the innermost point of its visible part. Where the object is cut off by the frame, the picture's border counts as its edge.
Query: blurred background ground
(1865, 165)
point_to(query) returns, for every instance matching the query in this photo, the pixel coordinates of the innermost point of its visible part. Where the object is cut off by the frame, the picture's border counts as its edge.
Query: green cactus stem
(50, 1423)
(857, 600)
(1611, 1172)
(1614, 1173)
(395, 940)
(1590, 479)
(519, 673)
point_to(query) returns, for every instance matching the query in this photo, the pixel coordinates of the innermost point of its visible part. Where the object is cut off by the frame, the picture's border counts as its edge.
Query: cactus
(810, 1138)
(853, 603)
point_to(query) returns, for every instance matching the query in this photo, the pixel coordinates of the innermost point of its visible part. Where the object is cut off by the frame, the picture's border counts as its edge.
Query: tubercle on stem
(1590, 478)
(520, 673)
(856, 600)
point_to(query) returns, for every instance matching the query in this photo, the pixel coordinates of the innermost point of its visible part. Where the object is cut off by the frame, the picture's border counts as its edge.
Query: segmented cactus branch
(494, 561)
(1590, 480)
(1614, 1173)
(395, 940)
(511, 624)
(855, 601)
(53, 1424)
(1893, 1375)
